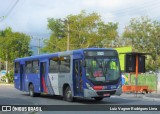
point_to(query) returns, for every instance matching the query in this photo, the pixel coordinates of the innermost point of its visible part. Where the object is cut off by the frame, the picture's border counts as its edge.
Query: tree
(84, 30)
(144, 35)
(13, 45)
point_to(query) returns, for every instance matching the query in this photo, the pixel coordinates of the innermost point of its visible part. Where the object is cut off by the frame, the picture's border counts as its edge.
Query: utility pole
(68, 38)
(7, 66)
(38, 45)
(68, 34)
(157, 70)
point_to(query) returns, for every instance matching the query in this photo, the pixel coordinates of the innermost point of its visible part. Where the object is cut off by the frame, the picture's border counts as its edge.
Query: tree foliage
(13, 45)
(84, 30)
(144, 35)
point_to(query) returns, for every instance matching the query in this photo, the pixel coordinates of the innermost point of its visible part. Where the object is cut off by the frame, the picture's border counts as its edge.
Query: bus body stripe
(44, 85)
(50, 89)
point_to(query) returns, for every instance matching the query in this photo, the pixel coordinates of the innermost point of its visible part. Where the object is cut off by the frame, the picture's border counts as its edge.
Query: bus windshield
(102, 69)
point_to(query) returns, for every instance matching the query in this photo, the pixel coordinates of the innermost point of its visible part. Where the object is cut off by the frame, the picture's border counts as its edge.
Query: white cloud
(31, 15)
(102, 3)
(110, 4)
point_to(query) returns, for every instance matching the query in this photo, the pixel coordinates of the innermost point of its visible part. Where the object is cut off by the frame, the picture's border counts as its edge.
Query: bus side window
(28, 67)
(65, 64)
(35, 67)
(16, 67)
(53, 65)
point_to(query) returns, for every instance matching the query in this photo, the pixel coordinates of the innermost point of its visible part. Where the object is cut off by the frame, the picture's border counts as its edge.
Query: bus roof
(57, 54)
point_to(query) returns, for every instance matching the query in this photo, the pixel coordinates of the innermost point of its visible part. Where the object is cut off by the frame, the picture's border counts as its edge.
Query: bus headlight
(89, 87)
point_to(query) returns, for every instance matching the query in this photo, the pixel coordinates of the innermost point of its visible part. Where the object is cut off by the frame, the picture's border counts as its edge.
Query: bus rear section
(27, 75)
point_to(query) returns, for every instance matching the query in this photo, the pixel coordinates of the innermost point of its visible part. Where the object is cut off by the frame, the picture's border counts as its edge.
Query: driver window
(113, 65)
(113, 69)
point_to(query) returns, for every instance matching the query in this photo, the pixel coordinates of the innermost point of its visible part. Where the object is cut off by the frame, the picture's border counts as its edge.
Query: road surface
(10, 96)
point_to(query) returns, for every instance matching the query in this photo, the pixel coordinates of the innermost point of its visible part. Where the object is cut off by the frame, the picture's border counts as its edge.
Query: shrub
(10, 76)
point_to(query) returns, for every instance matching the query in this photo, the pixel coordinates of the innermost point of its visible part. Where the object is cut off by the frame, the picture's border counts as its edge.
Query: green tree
(84, 30)
(13, 45)
(144, 35)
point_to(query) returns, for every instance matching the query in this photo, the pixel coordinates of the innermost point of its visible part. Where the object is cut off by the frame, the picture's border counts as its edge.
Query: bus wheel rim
(69, 95)
(31, 91)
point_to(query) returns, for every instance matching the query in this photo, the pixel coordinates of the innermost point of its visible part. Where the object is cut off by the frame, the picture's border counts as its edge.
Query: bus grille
(101, 93)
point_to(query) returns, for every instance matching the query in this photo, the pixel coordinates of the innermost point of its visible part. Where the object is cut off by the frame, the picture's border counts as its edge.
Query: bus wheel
(31, 90)
(68, 94)
(98, 98)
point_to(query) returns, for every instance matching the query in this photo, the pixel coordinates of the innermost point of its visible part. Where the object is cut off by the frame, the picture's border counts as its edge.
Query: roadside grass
(5, 83)
(145, 79)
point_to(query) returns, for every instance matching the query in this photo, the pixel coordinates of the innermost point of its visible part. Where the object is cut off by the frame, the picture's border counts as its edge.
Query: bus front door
(77, 77)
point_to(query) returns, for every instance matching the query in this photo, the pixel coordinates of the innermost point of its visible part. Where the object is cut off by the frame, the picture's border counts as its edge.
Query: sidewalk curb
(7, 85)
(151, 98)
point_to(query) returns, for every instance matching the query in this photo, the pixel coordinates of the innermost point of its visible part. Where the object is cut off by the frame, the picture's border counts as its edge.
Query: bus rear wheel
(98, 98)
(68, 94)
(31, 90)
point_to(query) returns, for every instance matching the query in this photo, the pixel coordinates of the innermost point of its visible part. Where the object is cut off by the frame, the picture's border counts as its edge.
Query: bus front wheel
(31, 90)
(68, 94)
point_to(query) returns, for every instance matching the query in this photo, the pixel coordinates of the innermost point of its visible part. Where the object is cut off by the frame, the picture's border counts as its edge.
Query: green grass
(3, 83)
(6, 83)
(145, 79)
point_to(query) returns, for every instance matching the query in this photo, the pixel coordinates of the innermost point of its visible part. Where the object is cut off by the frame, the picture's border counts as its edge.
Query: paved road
(9, 95)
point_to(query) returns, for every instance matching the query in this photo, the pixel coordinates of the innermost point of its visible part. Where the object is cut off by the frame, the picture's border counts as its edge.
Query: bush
(3, 79)
(10, 76)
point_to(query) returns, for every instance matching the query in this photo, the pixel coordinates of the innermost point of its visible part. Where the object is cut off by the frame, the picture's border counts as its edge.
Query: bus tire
(98, 98)
(31, 90)
(68, 94)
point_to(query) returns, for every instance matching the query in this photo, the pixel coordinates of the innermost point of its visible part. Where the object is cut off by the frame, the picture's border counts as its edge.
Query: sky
(30, 16)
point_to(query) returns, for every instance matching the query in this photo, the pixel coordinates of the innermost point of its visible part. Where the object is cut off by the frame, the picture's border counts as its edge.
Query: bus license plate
(106, 95)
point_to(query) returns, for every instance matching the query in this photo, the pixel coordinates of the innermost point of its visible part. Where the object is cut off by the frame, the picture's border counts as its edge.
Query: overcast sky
(30, 16)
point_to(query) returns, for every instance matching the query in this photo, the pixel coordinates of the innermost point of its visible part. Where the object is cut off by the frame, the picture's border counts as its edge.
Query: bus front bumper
(101, 93)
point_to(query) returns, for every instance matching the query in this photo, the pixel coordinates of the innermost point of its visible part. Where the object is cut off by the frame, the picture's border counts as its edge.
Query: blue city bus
(86, 73)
